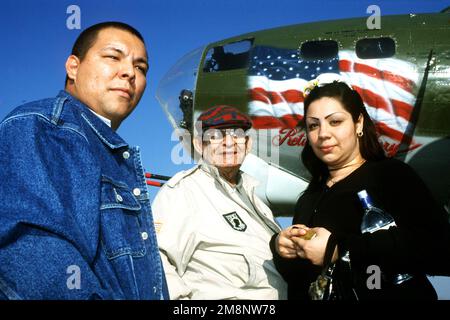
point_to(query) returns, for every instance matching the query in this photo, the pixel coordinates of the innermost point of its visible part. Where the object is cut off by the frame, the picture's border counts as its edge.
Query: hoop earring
(360, 134)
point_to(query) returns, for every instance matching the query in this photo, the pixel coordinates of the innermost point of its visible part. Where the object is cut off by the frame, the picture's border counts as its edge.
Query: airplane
(402, 71)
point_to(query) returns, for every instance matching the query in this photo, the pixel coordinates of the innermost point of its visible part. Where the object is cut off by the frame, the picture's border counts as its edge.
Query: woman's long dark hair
(369, 145)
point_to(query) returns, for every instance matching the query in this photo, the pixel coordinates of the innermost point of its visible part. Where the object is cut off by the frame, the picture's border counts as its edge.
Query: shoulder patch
(158, 226)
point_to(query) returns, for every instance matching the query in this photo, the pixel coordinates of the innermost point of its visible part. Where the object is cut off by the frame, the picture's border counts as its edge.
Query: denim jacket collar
(108, 136)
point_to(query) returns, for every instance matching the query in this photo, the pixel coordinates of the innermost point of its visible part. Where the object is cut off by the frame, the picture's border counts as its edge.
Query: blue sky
(36, 43)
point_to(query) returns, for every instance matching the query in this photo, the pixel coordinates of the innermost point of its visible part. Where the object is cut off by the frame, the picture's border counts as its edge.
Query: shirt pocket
(228, 262)
(120, 225)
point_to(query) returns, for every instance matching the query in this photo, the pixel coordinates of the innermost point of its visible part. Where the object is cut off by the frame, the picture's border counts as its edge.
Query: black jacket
(419, 245)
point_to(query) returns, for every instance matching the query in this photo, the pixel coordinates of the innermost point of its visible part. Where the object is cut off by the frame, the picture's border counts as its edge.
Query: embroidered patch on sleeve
(158, 225)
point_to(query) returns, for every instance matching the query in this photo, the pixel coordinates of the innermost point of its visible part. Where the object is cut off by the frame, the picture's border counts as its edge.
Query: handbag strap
(329, 250)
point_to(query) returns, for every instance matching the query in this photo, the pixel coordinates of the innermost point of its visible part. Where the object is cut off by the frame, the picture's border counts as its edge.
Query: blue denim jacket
(75, 217)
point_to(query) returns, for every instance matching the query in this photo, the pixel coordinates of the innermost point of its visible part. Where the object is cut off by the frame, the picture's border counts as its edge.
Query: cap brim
(228, 126)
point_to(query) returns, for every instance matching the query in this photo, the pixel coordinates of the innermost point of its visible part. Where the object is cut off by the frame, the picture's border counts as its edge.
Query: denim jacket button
(126, 155)
(119, 198)
(137, 192)
(144, 235)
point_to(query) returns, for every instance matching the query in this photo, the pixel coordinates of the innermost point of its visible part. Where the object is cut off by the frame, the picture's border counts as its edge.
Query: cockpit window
(375, 48)
(228, 57)
(176, 90)
(319, 50)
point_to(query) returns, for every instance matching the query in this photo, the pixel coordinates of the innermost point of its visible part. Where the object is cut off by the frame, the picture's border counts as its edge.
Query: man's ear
(248, 145)
(198, 145)
(72, 65)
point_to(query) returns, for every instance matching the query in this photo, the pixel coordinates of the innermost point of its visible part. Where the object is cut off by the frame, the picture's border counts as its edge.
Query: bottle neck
(366, 203)
(365, 199)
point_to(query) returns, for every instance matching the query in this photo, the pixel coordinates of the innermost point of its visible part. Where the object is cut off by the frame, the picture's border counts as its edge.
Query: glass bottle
(375, 219)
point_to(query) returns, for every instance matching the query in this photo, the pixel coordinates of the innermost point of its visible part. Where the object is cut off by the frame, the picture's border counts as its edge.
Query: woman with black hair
(344, 157)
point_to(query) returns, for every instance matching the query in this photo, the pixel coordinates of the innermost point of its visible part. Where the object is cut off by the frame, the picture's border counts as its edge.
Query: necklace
(333, 181)
(348, 165)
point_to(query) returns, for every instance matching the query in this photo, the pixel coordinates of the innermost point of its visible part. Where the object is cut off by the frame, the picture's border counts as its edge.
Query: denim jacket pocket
(6, 292)
(120, 225)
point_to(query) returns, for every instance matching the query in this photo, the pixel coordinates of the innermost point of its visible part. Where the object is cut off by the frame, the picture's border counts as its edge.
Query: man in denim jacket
(75, 217)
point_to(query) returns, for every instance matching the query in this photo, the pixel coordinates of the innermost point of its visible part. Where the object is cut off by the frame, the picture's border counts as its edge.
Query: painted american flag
(277, 77)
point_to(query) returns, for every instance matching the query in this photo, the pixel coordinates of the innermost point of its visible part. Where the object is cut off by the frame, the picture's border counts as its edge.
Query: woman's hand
(314, 249)
(284, 245)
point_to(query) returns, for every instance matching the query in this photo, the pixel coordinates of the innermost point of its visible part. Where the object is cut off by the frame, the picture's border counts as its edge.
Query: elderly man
(75, 217)
(214, 232)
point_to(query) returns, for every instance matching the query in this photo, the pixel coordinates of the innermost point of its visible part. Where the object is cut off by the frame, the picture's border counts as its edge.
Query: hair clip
(309, 86)
(323, 79)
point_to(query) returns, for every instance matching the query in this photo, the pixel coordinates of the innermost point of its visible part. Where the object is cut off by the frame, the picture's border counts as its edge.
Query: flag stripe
(385, 130)
(400, 108)
(274, 97)
(271, 98)
(259, 108)
(404, 83)
(268, 122)
(395, 123)
(399, 67)
(383, 88)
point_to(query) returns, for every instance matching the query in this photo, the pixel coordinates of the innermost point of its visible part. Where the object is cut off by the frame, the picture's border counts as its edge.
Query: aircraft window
(375, 48)
(314, 50)
(228, 57)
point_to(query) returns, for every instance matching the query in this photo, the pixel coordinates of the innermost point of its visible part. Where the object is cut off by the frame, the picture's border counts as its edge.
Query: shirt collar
(214, 172)
(104, 119)
(108, 136)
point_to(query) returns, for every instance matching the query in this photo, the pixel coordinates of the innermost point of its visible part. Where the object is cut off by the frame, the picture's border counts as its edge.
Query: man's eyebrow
(141, 60)
(114, 49)
(121, 52)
